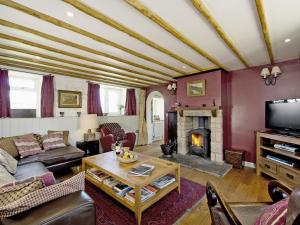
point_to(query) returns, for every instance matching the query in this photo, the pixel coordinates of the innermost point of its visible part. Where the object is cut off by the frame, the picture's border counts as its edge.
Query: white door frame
(149, 114)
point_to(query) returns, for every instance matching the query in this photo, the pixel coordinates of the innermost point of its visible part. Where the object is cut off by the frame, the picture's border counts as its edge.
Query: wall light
(172, 88)
(270, 77)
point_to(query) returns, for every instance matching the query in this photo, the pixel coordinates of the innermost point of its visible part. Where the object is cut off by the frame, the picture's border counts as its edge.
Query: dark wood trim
(202, 72)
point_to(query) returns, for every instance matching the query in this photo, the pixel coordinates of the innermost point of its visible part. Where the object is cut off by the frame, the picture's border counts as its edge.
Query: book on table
(145, 194)
(97, 174)
(163, 182)
(142, 170)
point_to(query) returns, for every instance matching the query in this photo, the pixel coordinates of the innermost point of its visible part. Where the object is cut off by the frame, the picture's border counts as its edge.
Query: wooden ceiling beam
(64, 71)
(80, 47)
(113, 23)
(30, 43)
(199, 5)
(162, 23)
(113, 73)
(264, 27)
(80, 31)
(53, 71)
(100, 75)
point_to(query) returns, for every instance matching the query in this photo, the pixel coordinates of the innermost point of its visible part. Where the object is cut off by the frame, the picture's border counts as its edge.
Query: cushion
(8, 144)
(30, 170)
(39, 139)
(119, 134)
(5, 176)
(12, 193)
(294, 207)
(9, 162)
(55, 156)
(41, 196)
(53, 141)
(27, 145)
(274, 214)
(65, 134)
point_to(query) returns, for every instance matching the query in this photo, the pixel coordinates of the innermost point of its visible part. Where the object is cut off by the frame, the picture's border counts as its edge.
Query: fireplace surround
(188, 119)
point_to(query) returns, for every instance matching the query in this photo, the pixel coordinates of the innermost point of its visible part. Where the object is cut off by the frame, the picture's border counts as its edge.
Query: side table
(90, 147)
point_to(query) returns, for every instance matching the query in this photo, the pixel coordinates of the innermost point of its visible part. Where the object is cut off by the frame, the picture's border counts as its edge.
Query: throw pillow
(12, 193)
(41, 196)
(8, 144)
(293, 207)
(9, 162)
(275, 214)
(27, 145)
(119, 134)
(53, 140)
(39, 139)
(5, 176)
(65, 134)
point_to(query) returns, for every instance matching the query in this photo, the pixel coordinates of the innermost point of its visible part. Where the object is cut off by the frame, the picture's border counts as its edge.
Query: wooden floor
(237, 185)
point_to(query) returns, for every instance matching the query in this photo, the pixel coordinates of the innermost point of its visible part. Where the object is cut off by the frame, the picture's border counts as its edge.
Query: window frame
(105, 103)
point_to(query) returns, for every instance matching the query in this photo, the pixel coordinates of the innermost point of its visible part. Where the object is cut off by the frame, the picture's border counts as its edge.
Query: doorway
(155, 116)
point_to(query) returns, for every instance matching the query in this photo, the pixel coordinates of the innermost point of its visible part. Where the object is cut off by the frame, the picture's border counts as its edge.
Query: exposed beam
(113, 23)
(34, 69)
(264, 27)
(199, 5)
(162, 23)
(80, 47)
(80, 31)
(34, 44)
(33, 53)
(100, 75)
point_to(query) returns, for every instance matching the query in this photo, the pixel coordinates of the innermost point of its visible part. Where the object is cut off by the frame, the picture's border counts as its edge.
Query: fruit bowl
(123, 159)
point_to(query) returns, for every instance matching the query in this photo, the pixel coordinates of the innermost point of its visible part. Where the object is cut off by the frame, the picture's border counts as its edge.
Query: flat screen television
(283, 115)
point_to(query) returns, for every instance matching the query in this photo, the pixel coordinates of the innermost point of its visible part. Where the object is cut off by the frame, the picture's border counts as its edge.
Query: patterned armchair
(111, 132)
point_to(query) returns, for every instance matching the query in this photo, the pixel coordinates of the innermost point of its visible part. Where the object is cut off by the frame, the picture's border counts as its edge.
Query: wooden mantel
(212, 109)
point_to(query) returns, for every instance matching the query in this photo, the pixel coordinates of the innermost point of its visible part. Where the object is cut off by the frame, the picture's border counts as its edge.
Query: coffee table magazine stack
(108, 164)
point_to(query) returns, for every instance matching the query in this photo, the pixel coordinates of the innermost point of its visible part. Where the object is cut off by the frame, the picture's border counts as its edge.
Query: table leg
(178, 178)
(138, 211)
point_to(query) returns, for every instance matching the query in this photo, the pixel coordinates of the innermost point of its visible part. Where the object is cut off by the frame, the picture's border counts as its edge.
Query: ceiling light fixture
(70, 14)
(287, 40)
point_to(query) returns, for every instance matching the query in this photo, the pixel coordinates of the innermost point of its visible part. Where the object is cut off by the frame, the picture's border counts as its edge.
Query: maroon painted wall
(213, 89)
(169, 100)
(248, 96)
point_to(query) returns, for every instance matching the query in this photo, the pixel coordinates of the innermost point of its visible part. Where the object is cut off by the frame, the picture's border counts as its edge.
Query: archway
(155, 112)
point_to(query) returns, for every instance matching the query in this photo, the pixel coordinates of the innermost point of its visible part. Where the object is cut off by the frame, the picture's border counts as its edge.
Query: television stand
(275, 162)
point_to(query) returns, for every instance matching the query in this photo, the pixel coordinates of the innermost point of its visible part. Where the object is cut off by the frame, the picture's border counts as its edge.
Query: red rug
(164, 212)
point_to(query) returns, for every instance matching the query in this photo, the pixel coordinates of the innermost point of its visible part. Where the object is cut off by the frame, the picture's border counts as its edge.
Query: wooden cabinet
(90, 147)
(265, 146)
(172, 126)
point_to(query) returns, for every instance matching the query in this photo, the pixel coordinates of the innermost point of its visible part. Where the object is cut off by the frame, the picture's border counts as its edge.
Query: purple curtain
(130, 105)
(47, 96)
(94, 103)
(4, 94)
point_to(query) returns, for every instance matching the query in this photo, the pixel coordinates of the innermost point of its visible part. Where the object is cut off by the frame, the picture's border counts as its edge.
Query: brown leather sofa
(77, 208)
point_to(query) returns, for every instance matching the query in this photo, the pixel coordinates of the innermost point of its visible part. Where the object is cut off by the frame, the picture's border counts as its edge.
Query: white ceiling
(238, 19)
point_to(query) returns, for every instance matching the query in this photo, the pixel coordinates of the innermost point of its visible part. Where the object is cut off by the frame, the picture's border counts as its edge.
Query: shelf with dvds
(278, 156)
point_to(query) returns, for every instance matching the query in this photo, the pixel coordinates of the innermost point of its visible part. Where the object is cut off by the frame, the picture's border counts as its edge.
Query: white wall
(18, 126)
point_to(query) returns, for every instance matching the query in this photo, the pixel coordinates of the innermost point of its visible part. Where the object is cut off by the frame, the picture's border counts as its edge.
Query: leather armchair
(107, 137)
(246, 213)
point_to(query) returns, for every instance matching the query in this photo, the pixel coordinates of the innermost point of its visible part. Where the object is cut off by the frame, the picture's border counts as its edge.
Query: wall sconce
(270, 77)
(172, 88)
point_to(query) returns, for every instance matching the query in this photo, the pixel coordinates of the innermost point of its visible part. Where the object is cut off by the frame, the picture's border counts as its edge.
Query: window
(112, 99)
(24, 94)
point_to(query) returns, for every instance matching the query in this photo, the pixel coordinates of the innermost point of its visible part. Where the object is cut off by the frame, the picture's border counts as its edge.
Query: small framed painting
(69, 99)
(196, 88)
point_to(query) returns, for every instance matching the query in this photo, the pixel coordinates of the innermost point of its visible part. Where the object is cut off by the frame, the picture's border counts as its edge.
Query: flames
(197, 140)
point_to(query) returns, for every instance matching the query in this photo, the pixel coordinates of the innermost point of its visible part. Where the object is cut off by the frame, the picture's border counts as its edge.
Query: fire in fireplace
(199, 139)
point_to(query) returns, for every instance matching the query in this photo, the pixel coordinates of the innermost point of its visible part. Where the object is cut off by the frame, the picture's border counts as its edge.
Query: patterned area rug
(166, 211)
(201, 164)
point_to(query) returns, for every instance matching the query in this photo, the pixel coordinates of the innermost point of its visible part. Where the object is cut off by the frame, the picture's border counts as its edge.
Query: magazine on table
(163, 182)
(145, 194)
(142, 170)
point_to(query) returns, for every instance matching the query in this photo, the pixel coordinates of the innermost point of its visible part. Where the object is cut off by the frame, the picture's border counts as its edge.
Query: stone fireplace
(198, 136)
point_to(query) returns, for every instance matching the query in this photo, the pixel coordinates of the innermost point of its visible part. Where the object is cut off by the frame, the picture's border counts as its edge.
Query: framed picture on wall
(69, 99)
(196, 88)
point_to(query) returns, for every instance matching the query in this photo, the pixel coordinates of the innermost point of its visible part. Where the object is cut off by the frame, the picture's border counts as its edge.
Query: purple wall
(248, 96)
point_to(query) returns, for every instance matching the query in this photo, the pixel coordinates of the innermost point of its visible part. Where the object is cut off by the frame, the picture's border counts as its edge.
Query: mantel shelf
(212, 109)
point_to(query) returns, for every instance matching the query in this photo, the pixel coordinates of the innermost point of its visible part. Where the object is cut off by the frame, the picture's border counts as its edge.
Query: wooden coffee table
(108, 163)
